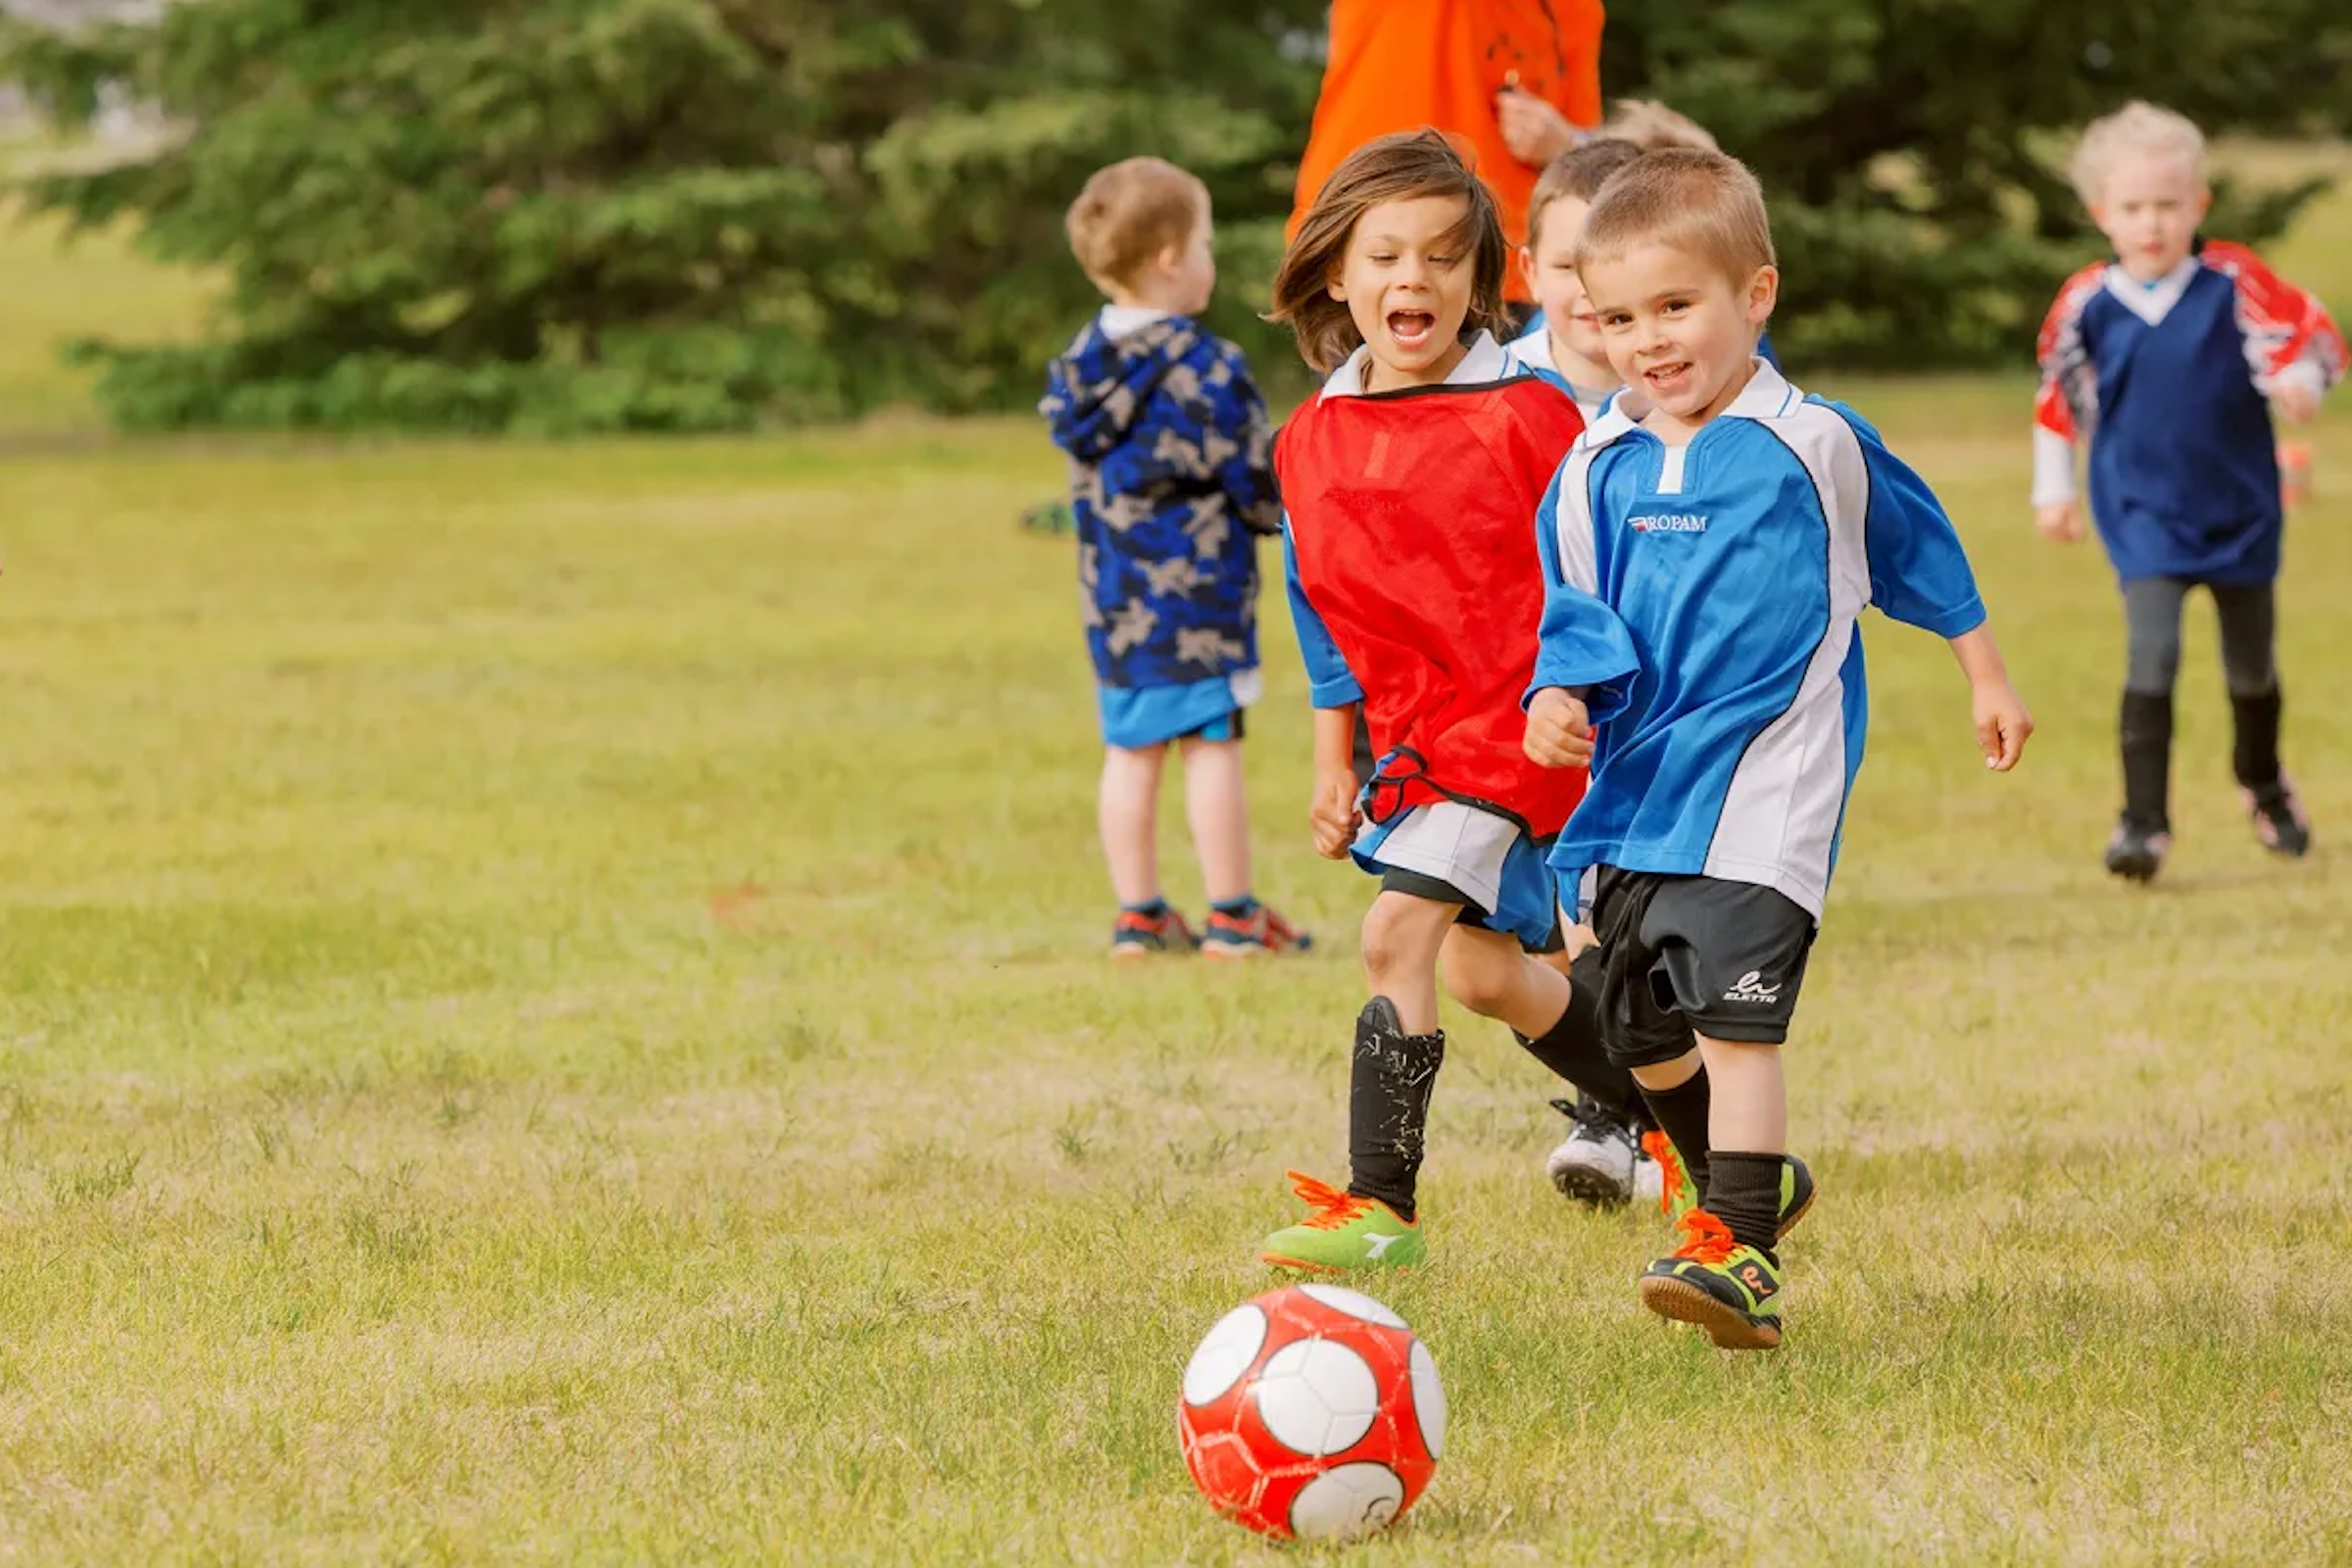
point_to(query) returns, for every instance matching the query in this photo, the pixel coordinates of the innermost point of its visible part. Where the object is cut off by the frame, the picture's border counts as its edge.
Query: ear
(1527, 265)
(2204, 206)
(1763, 293)
(1336, 289)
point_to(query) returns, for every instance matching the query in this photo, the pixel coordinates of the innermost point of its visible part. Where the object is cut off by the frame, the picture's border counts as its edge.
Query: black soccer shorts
(1686, 956)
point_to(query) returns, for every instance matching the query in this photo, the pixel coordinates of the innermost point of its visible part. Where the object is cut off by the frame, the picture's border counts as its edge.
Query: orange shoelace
(1672, 1179)
(1330, 1208)
(1705, 1239)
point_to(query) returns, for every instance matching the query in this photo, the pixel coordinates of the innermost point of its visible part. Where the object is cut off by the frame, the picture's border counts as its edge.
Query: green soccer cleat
(1796, 1194)
(1678, 1197)
(1732, 1292)
(1342, 1233)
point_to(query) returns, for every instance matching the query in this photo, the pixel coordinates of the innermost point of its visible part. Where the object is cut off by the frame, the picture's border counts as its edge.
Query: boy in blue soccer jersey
(2169, 357)
(1708, 546)
(1172, 482)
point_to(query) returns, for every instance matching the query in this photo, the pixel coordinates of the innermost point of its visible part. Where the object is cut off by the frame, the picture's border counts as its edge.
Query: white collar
(2152, 302)
(1767, 396)
(1118, 320)
(1487, 360)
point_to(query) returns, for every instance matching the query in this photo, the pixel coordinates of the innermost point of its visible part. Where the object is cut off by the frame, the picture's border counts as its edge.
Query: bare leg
(1129, 812)
(1749, 1107)
(1217, 806)
(1402, 936)
(1489, 973)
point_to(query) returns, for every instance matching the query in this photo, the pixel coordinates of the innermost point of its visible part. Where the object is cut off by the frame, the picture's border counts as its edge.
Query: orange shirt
(1398, 65)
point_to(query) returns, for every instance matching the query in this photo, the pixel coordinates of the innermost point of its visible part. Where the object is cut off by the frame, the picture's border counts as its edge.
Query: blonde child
(2171, 358)
(1171, 485)
(1407, 486)
(1708, 546)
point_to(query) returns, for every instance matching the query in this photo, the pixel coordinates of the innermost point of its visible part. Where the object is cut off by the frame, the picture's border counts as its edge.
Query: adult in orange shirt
(1513, 78)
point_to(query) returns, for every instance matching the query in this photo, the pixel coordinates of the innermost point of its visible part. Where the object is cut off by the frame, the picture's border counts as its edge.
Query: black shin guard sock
(1388, 1105)
(2254, 747)
(1682, 1115)
(2147, 744)
(1572, 1048)
(1745, 1195)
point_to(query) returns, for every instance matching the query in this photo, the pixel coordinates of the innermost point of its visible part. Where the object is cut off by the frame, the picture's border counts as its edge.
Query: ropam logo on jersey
(1672, 523)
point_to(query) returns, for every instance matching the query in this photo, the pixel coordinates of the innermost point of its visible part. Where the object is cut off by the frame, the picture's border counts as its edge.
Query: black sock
(1151, 911)
(1572, 1047)
(1388, 1105)
(1241, 908)
(2147, 744)
(2254, 748)
(1745, 1195)
(1682, 1115)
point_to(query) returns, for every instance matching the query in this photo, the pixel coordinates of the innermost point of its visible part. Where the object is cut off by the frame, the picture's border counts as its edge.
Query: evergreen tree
(578, 214)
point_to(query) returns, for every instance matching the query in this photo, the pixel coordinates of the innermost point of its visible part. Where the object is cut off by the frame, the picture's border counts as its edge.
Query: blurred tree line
(566, 216)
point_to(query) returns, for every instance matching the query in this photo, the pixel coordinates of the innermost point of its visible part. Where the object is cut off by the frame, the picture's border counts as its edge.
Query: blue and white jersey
(1703, 598)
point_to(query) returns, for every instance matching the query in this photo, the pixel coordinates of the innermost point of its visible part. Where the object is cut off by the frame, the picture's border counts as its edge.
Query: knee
(2154, 668)
(1477, 979)
(1383, 945)
(1397, 941)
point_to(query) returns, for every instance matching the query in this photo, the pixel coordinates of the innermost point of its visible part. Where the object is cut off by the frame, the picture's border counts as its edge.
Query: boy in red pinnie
(1410, 485)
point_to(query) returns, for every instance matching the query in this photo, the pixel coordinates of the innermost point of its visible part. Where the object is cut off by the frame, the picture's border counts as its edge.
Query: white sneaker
(1650, 1180)
(1595, 1163)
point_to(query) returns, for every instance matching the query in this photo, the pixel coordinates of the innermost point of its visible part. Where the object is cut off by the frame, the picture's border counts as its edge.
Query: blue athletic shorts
(1135, 717)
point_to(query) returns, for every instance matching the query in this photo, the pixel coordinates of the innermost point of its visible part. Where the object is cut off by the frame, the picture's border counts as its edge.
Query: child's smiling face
(1678, 330)
(2149, 207)
(1407, 278)
(1551, 276)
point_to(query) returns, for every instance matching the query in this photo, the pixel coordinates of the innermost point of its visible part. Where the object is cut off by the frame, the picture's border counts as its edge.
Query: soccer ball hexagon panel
(1312, 1412)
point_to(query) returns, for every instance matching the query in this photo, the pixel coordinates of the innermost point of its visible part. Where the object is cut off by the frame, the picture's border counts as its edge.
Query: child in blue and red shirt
(1410, 485)
(2171, 358)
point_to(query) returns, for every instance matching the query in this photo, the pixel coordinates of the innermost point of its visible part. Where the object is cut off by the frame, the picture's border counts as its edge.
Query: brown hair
(1653, 127)
(1700, 202)
(1131, 212)
(1580, 171)
(1404, 167)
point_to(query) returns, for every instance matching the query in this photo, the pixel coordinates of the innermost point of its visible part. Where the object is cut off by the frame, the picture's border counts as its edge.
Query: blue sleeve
(1246, 473)
(1583, 645)
(1919, 574)
(1330, 682)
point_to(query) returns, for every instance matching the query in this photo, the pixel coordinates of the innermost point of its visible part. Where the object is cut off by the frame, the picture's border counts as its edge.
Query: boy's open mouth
(1667, 378)
(1411, 329)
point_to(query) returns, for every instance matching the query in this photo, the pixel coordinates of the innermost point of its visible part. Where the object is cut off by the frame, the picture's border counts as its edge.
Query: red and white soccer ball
(1312, 1412)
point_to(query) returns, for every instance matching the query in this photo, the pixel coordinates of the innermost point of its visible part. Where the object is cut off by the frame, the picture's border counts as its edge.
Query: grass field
(550, 1011)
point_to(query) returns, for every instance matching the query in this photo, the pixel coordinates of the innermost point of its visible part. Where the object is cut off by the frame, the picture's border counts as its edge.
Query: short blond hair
(1653, 127)
(2137, 127)
(1577, 173)
(1131, 212)
(1702, 202)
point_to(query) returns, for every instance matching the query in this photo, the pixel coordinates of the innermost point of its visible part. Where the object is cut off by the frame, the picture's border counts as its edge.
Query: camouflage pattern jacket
(1171, 481)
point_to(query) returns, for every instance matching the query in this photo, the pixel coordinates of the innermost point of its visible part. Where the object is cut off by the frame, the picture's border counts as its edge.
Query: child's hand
(2298, 401)
(2059, 522)
(1559, 730)
(1334, 814)
(2002, 724)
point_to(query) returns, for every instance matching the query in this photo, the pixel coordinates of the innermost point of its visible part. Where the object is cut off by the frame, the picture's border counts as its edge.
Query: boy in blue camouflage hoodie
(1171, 483)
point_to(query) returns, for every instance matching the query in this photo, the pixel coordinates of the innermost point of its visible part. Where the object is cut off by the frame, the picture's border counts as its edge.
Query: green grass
(550, 1011)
